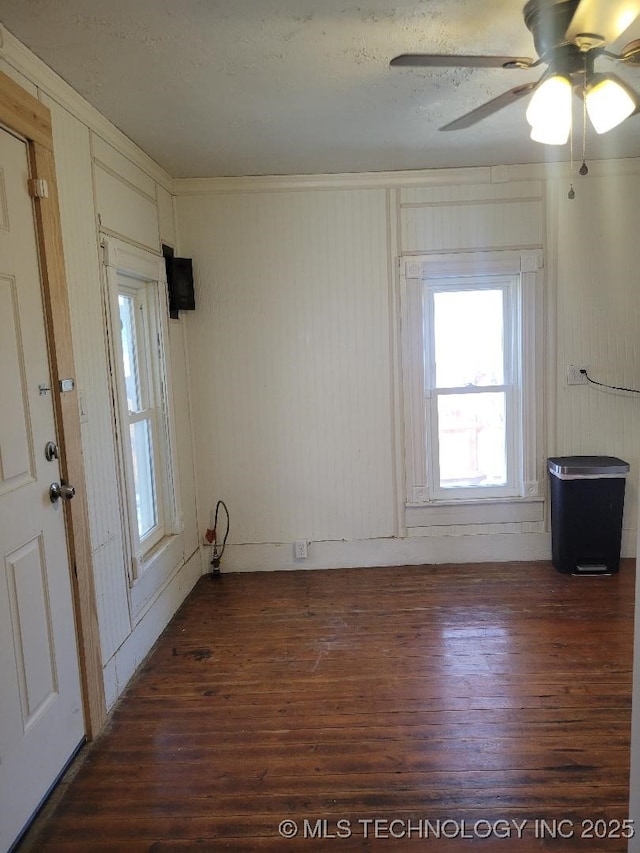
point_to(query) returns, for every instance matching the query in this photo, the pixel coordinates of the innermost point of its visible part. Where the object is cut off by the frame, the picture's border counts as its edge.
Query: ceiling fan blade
(443, 60)
(605, 20)
(490, 107)
(631, 53)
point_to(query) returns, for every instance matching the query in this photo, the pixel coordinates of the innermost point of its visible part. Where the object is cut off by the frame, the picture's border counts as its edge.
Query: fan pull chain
(584, 169)
(572, 193)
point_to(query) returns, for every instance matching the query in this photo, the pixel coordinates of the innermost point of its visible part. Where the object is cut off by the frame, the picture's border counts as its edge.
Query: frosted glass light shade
(609, 103)
(551, 135)
(551, 101)
(549, 111)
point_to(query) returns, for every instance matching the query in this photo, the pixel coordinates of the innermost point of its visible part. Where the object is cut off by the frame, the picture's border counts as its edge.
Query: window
(472, 388)
(137, 321)
(143, 414)
(471, 374)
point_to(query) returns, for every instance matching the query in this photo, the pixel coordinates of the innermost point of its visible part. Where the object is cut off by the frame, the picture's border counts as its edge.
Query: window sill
(486, 511)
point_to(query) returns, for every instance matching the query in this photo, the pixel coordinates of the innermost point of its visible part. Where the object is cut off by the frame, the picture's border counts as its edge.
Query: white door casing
(41, 718)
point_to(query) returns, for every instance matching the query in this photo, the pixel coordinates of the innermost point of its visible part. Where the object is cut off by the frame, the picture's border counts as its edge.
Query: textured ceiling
(249, 87)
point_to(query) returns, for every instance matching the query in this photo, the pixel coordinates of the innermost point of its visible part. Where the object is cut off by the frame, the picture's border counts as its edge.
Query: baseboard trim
(389, 552)
(477, 548)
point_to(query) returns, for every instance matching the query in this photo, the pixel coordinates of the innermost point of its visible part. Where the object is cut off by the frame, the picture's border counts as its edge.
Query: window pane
(472, 440)
(469, 338)
(127, 307)
(142, 452)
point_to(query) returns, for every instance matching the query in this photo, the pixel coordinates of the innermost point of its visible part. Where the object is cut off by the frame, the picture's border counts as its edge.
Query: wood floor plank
(476, 694)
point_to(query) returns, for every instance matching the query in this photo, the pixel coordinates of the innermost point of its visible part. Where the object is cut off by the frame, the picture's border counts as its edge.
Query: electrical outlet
(574, 377)
(300, 549)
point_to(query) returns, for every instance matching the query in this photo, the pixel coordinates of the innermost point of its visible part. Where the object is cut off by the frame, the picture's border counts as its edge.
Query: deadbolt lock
(51, 451)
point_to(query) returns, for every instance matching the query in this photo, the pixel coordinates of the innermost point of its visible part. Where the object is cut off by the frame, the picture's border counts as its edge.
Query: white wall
(293, 347)
(290, 360)
(106, 184)
(597, 312)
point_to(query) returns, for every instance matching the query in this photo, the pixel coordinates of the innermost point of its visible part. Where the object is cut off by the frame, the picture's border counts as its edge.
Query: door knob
(57, 491)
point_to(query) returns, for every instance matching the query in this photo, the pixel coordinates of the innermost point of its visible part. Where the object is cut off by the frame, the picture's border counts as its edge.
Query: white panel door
(41, 720)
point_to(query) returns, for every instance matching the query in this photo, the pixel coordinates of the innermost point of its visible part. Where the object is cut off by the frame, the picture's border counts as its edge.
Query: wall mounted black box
(179, 283)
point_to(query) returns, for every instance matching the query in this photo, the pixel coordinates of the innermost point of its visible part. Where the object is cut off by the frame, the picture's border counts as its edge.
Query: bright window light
(469, 401)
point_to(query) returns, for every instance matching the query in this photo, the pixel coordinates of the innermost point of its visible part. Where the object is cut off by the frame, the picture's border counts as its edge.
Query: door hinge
(38, 188)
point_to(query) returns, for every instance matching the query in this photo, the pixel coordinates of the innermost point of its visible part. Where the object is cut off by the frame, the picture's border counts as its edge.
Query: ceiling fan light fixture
(549, 111)
(551, 101)
(609, 102)
(551, 133)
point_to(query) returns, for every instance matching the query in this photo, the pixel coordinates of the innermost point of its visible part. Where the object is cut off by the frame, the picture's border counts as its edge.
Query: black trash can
(587, 500)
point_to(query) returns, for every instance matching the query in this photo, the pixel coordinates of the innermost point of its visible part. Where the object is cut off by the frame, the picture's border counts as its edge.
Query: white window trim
(420, 509)
(148, 569)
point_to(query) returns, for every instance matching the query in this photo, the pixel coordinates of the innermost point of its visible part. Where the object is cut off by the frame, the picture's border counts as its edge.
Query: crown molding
(346, 181)
(561, 170)
(398, 180)
(19, 57)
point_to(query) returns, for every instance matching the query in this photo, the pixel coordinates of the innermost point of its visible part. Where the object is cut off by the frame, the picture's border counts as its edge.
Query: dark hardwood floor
(461, 707)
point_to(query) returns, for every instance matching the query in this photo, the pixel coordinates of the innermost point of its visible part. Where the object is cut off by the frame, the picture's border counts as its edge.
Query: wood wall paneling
(289, 351)
(486, 225)
(453, 193)
(121, 167)
(248, 250)
(598, 317)
(73, 165)
(166, 216)
(124, 210)
(187, 472)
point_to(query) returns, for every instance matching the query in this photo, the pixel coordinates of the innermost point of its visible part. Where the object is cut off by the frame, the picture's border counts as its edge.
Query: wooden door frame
(26, 116)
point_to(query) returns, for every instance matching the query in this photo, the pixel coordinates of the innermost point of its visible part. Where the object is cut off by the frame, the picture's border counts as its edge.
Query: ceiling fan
(569, 36)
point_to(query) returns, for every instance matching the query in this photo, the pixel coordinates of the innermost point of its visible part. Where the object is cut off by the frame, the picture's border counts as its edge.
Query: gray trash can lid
(587, 466)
